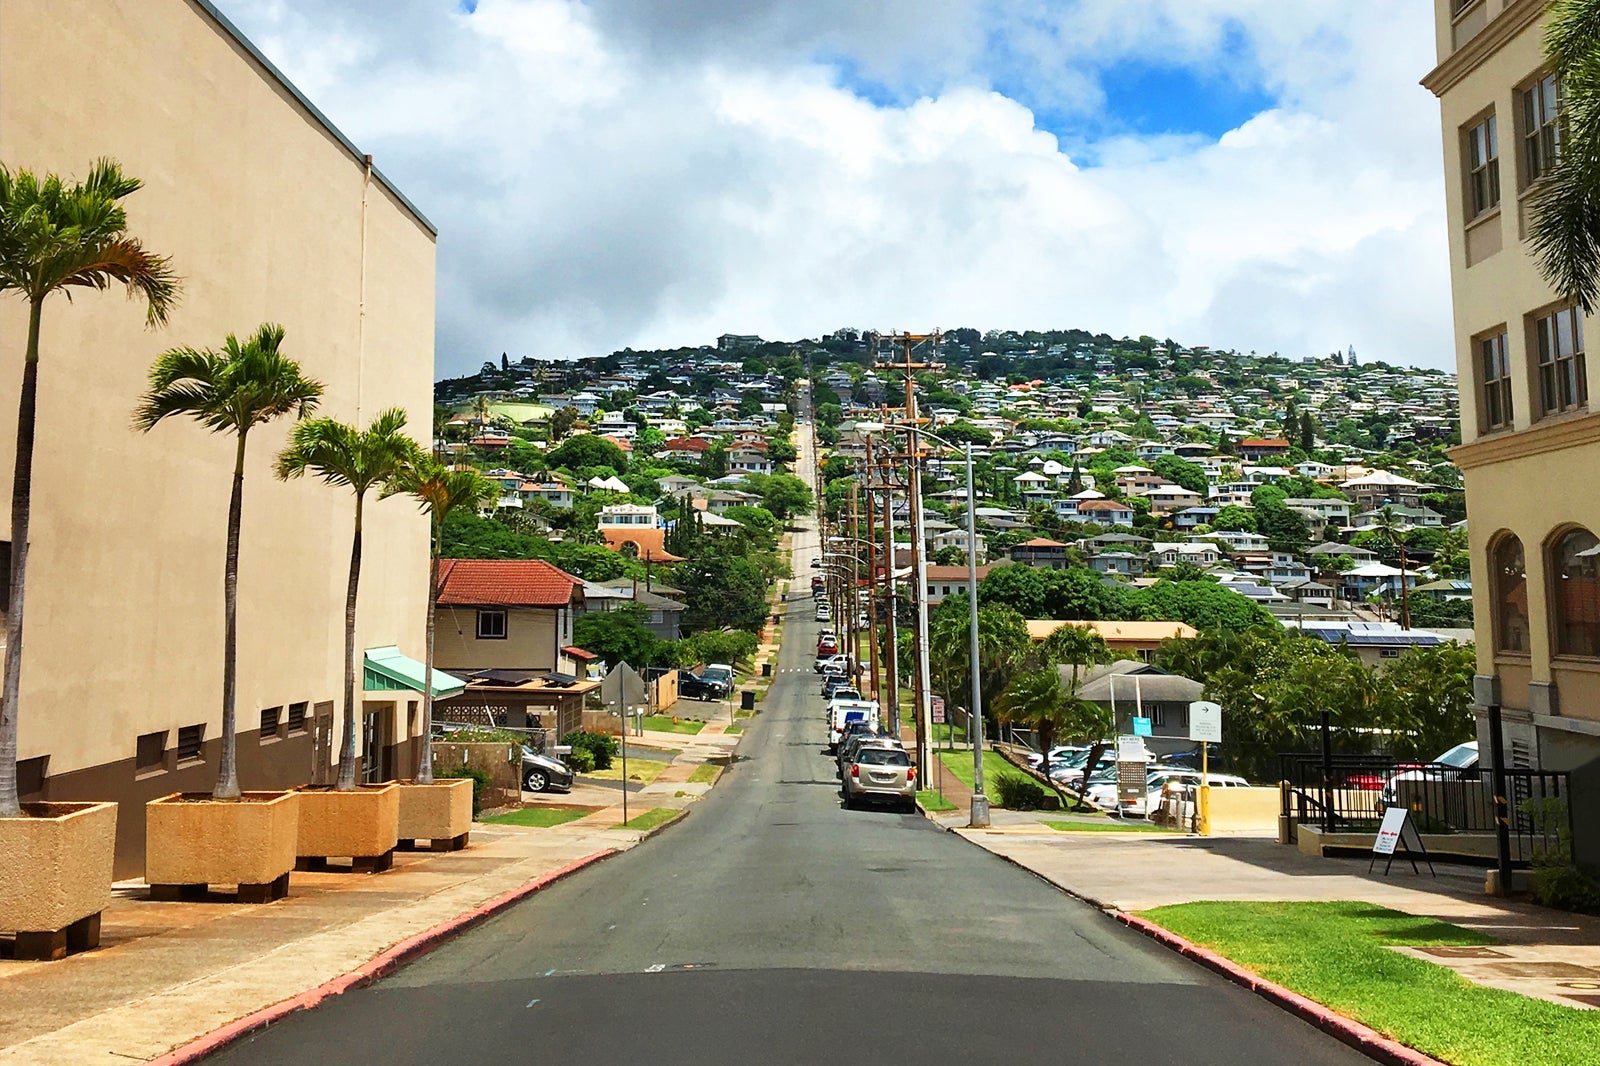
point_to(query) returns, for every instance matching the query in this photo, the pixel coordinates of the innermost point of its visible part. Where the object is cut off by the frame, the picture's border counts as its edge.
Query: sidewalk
(1539, 948)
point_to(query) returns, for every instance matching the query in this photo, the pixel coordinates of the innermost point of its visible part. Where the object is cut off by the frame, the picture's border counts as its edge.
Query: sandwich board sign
(1397, 832)
(1205, 722)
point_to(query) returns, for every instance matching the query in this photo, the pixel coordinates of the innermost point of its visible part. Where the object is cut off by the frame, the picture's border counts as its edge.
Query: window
(1388, 653)
(1576, 597)
(1495, 364)
(1541, 135)
(491, 625)
(1563, 379)
(150, 753)
(191, 743)
(1510, 595)
(1483, 168)
(270, 717)
(297, 718)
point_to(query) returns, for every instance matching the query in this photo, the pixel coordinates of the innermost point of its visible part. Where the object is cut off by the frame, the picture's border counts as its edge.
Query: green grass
(542, 817)
(704, 774)
(1336, 954)
(933, 801)
(733, 730)
(1107, 825)
(959, 763)
(643, 771)
(650, 819)
(663, 724)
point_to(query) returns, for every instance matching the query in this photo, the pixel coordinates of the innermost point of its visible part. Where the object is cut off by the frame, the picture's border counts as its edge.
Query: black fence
(1348, 794)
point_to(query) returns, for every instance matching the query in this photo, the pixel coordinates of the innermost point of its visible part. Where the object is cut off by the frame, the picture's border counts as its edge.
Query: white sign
(1394, 823)
(937, 709)
(1205, 722)
(1131, 749)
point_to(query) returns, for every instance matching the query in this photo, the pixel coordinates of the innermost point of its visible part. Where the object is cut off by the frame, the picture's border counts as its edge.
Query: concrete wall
(1245, 810)
(267, 216)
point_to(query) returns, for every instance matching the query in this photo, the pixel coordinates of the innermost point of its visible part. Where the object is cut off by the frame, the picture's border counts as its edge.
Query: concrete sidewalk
(1541, 953)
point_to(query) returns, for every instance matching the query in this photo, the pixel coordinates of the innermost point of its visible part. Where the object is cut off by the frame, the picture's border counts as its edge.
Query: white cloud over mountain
(649, 173)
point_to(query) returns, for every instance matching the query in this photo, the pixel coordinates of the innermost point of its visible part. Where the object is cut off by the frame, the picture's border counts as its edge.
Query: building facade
(268, 214)
(1528, 434)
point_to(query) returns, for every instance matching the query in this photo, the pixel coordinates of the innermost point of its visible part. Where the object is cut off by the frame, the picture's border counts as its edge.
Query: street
(773, 926)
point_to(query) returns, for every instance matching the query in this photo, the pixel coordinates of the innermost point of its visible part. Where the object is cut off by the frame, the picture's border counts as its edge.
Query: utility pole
(872, 578)
(891, 668)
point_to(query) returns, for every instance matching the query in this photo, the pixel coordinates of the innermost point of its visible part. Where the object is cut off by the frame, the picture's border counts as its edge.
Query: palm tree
(56, 236)
(359, 460)
(245, 385)
(438, 491)
(1565, 228)
(1389, 530)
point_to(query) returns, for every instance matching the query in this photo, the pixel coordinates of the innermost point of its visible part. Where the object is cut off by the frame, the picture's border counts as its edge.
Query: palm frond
(245, 384)
(340, 454)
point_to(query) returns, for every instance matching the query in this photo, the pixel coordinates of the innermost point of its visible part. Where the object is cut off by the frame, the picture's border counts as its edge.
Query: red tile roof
(504, 583)
(1102, 505)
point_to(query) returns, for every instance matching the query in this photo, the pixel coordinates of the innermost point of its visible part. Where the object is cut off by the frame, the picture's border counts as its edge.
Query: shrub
(601, 748)
(1018, 793)
(581, 760)
(480, 783)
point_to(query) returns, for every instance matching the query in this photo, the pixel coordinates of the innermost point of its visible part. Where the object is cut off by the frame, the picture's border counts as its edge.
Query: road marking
(657, 968)
(531, 1002)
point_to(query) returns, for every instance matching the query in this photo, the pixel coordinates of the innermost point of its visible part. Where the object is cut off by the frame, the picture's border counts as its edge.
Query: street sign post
(1205, 726)
(623, 689)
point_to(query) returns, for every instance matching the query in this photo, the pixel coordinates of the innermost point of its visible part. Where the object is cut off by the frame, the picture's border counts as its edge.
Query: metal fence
(1348, 794)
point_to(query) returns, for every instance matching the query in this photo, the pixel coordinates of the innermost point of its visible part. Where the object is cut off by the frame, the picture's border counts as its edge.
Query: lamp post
(979, 814)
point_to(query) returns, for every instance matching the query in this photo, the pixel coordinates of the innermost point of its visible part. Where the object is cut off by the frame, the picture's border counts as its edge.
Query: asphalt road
(772, 926)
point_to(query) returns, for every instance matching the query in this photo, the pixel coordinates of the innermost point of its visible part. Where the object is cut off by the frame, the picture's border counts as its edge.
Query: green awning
(386, 670)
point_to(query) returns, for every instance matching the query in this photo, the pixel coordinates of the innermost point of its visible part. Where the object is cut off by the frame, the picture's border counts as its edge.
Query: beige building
(1531, 444)
(269, 214)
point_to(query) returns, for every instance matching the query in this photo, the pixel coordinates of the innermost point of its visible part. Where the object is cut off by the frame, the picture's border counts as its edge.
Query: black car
(541, 773)
(695, 687)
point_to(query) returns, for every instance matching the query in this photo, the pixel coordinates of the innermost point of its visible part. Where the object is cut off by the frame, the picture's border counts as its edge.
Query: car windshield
(882, 757)
(1461, 755)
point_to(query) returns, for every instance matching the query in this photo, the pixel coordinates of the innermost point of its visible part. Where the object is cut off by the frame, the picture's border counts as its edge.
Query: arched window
(1576, 596)
(1510, 592)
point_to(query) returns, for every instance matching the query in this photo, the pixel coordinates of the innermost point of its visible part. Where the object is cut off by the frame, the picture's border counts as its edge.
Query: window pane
(1577, 595)
(1565, 344)
(1510, 593)
(1492, 138)
(1546, 352)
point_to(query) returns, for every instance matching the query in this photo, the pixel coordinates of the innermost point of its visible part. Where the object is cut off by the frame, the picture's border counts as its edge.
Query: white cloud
(602, 181)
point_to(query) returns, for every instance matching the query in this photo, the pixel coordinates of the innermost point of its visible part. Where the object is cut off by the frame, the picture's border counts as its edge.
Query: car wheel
(536, 781)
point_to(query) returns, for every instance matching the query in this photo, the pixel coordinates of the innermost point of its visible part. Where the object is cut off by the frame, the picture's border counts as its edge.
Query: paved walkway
(1543, 953)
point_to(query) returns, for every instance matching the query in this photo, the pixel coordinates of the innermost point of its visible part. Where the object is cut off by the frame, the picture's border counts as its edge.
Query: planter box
(55, 876)
(363, 824)
(192, 841)
(440, 813)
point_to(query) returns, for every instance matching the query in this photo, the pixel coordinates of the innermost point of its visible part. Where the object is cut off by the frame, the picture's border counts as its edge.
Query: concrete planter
(55, 876)
(362, 823)
(440, 813)
(192, 841)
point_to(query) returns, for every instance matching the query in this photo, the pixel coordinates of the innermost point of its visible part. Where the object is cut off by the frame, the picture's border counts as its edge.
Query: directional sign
(1205, 722)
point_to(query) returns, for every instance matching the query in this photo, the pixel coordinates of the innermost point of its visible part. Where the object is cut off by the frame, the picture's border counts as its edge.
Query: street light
(979, 817)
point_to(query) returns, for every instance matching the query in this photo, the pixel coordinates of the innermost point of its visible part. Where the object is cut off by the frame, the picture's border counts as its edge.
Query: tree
(56, 236)
(1234, 518)
(1075, 479)
(1389, 530)
(563, 420)
(785, 495)
(1565, 228)
(246, 384)
(620, 636)
(1201, 604)
(722, 591)
(1308, 433)
(587, 450)
(1182, 472)
(439, 491)
(359, 460)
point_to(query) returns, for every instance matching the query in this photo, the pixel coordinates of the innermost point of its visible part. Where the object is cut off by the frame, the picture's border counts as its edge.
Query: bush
(1018, 793)
(581, 760)
(602, 747)
(480, 783)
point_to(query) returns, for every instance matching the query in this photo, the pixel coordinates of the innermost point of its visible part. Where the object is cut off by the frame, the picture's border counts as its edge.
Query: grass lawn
(543, 817)
(704, 774)
(1108, 825)
(733, 730)
(649, 819)
(932, 801)
(959, 763)
(1335, 953)
(663, 724)
(642, 770)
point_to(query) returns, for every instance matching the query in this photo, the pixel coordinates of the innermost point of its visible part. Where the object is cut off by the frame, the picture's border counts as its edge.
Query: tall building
(1530, 442)
(268, 213)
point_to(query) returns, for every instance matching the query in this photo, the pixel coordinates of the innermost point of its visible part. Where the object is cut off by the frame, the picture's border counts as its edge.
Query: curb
(379, 966)
(1362, 1038)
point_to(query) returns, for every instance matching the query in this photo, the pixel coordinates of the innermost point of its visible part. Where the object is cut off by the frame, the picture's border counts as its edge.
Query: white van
(842, 712)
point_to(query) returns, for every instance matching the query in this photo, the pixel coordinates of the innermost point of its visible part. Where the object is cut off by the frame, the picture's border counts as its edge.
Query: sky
(1248, 174)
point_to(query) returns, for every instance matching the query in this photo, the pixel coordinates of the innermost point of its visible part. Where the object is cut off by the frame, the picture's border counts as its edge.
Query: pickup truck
(699, 687)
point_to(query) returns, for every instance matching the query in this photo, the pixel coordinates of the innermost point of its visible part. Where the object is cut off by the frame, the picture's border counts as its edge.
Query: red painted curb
(1364, 1039)
(378, 966)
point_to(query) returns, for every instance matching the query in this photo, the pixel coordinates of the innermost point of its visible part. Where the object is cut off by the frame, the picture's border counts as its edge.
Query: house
(555, 492)
(1139, 639)
(1105, 512)
(685, 448)
(950, 581)
(634, 529)
(1041, 552)
(1368, 578)
(1127, 564)
(954, 538)
(1253, 449)
(750, 458)
(1130, 688)
(1198, 553)
(1310, 593)
(1373, 642)
(1331, 511)
(1381, 488)
(1166, 499)
(660, 613)
(1190, 517)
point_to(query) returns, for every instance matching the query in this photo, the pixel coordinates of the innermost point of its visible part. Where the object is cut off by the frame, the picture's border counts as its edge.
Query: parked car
(853, 742)
(698, 687)
(840, 689)
(827, 646)
(542, 773)
(823, 613)
(839, 659)
(719, 672)
(850, 733)
(881, 774)
(1459, 762)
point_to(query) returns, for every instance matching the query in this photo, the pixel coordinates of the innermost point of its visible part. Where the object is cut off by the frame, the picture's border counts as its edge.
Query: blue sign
(1141, 727)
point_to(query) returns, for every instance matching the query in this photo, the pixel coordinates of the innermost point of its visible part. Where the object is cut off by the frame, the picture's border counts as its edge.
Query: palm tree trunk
(425, 757)
(347, 754)
(21, 502)
(228, 766)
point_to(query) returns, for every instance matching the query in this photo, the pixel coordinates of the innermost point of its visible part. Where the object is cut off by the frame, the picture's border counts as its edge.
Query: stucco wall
(529, 644)
(260, 208)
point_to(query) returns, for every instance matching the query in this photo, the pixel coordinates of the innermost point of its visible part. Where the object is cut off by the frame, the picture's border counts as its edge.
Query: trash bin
(766, 669)
(747, 700)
